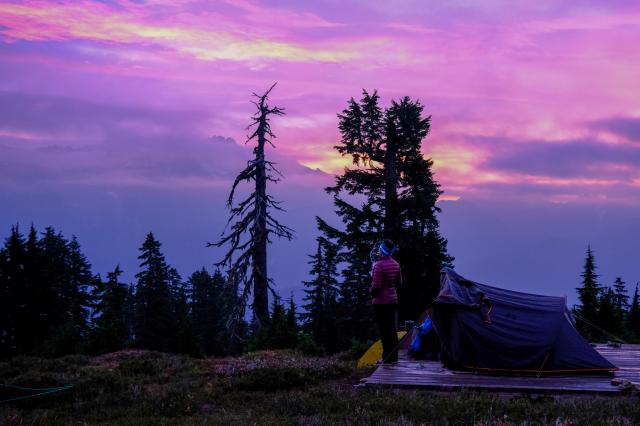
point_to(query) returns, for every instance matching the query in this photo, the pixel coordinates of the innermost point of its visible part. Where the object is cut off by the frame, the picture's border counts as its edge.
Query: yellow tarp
(374, 353)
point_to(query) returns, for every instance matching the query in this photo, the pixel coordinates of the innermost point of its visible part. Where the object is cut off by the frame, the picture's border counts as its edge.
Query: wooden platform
(431, 375)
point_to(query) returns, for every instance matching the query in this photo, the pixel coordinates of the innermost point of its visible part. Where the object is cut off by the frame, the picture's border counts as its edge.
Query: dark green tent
(485, 328)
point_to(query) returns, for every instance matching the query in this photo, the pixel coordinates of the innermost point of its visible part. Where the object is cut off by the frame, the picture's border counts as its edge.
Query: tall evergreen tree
(620, 304)
(321, 309)
(81, 281)
(184, 340)
(633, 318)
(53, 317)
(130, 312)
(67, 282)
(154, 321)
(209, 312)
(425, 249)
(607, 316)
(590, 291)
(110, 331)
(396, 195)
(354, 302)
(281, 331)
(247, 256)
(35, 296)
(292, 318)
(14, 312)
(588, 295)
(6, 299)
(361, 126)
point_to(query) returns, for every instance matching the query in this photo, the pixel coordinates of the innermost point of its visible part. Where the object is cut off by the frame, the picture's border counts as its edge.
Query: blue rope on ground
(40, 391)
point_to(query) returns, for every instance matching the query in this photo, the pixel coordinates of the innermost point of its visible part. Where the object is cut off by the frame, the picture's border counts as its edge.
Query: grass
(280, 387)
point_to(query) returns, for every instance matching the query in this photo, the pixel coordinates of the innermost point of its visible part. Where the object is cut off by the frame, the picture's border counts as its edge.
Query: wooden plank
(431, 375)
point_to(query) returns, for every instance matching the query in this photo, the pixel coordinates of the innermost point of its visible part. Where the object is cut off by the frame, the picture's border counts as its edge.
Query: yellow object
(374, 353)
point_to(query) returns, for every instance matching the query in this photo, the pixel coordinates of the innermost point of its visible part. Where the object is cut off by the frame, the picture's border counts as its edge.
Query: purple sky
(119, 117)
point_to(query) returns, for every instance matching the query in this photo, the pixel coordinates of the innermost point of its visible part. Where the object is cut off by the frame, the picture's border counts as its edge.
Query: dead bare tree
(253, 223)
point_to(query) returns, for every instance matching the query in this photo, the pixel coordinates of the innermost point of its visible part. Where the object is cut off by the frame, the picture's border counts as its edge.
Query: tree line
(605, 312)
(51, 304)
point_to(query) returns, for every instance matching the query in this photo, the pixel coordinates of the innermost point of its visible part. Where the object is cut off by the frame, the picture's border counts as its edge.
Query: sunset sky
(121, 117)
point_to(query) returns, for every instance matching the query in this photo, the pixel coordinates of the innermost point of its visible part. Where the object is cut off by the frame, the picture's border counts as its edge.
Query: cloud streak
(186, 33)
(61, 141)
(626, 127)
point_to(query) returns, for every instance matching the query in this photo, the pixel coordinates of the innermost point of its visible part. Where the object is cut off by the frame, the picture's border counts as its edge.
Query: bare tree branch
(250, 224)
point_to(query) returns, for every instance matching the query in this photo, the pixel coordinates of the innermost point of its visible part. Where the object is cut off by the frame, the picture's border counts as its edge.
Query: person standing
(386, 277)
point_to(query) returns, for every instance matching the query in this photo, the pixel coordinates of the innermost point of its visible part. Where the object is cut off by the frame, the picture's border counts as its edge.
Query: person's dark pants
(386, 318)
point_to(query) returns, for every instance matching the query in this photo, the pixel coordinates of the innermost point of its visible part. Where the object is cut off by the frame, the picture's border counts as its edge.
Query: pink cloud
(280, 17)
(186, 33)
(489, 75)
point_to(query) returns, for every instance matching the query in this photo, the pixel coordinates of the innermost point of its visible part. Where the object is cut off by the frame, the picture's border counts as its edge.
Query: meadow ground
(269, 387)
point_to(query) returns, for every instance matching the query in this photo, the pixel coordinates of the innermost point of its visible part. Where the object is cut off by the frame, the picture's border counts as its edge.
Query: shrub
(308, 346)
(139, 367)
(272, 379)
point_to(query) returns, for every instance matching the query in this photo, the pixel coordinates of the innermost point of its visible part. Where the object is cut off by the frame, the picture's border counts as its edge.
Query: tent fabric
(487, 328)
(374, 353)
(425, 343)
(422, 330)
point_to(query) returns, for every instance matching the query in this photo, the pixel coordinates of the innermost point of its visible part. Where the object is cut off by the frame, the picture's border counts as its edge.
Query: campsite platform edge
(430, 375)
